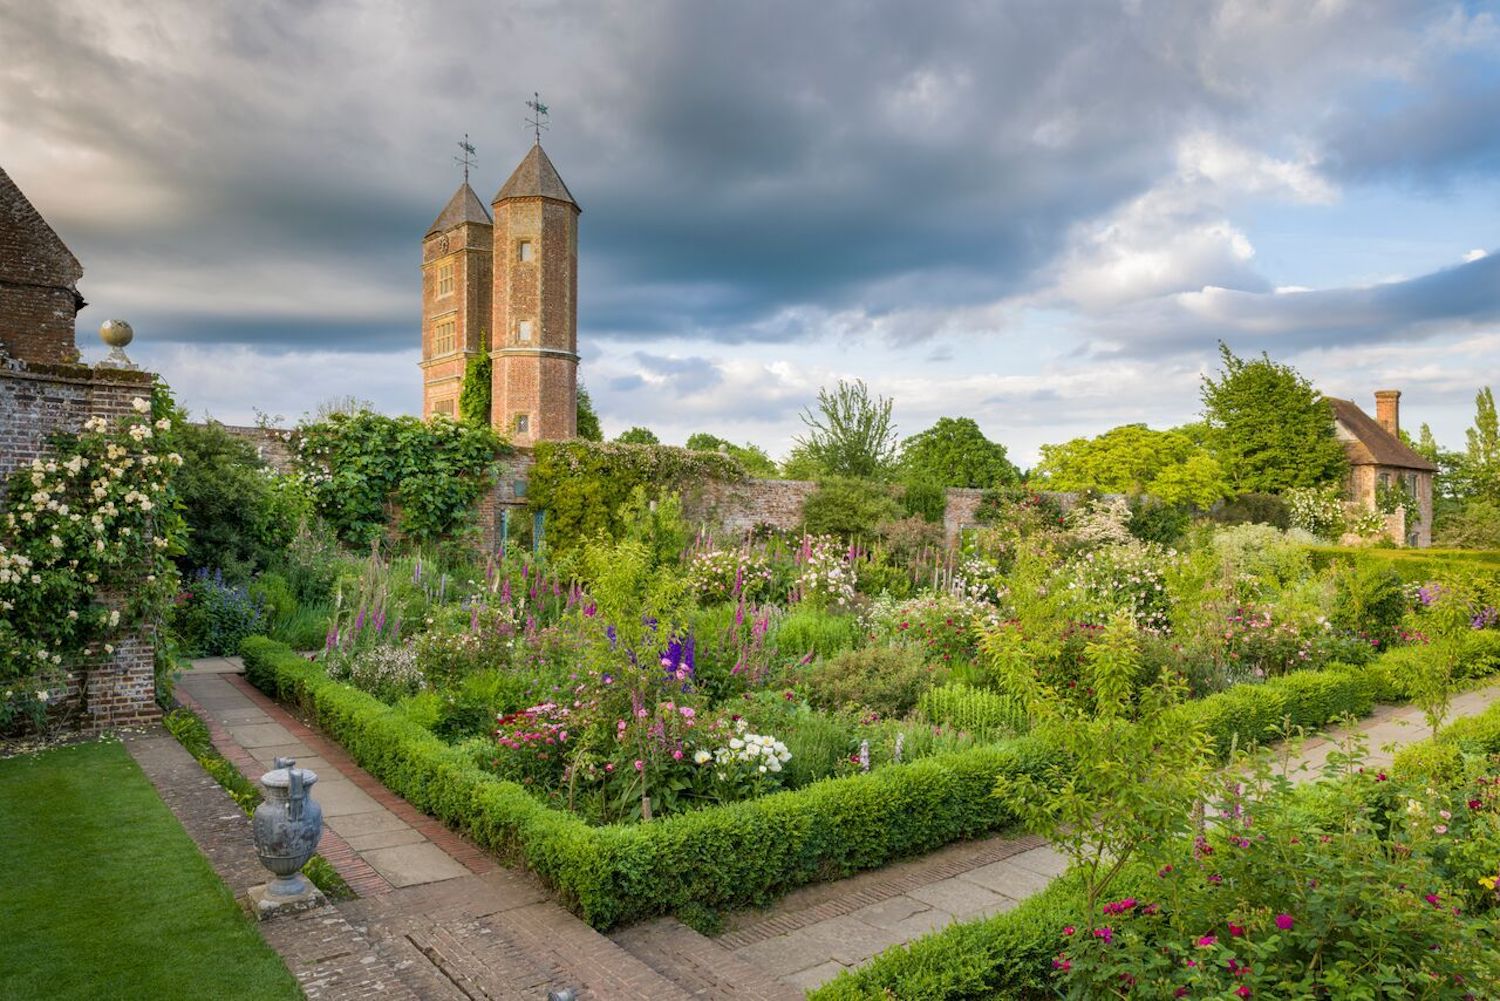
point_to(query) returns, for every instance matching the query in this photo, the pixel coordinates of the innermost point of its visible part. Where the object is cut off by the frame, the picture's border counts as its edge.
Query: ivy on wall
(474, 397)
(86, 542)
(582, 485)
(365, 470)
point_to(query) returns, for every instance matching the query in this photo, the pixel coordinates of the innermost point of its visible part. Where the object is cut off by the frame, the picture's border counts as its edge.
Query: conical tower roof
(535, 178)
(463, 207)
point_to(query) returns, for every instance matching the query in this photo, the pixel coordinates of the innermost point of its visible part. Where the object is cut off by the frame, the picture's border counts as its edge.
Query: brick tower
(456, 280)
(534, 335)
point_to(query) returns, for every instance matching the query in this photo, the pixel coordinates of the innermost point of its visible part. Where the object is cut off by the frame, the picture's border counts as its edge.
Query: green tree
(799, 464)
(588, 420)
(474, 397)
(239, 516)
(1481, 463)
(1134, 459)
(754, 458)
(638, 436)
(850, 433)
(955, 453)
(1268, 427)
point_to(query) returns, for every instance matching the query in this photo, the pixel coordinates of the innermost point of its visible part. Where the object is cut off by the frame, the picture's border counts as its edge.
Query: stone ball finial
(116, 333)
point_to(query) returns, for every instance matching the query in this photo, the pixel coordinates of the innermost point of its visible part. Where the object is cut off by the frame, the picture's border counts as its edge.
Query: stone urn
(287, 826)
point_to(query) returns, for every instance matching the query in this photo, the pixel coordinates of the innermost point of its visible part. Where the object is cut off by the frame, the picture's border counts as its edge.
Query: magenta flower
(639, 764)
(1206, 941)
(1285, 922)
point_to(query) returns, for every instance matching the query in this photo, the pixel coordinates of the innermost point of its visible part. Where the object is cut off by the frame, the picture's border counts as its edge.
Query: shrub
(925, 500)
(1258, 713)
(216, 616)
(386, 672)
(848, 508)
(1152, 520)
(884, 679)
(1254, 508)
(1369, 601)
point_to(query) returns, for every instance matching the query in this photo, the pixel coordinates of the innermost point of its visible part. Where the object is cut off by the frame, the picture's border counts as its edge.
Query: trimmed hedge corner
(737, 855)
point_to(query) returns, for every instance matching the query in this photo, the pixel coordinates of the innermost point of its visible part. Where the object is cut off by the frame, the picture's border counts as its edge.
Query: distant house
(1379, 459)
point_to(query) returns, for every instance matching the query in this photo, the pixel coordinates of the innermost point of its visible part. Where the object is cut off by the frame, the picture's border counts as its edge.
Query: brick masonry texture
(275, 446)
(38, 283)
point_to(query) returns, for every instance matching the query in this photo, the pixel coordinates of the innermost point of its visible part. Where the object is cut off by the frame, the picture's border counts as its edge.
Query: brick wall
(275, 446)
(35, 401)
(38, 283)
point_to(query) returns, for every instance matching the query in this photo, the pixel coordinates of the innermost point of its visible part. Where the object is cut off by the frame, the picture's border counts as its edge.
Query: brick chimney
(1388, 410)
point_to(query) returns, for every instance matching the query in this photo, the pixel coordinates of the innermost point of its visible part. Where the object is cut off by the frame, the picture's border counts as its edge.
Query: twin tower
(507, 285)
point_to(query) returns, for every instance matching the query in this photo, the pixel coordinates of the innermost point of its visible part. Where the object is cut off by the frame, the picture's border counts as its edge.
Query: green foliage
(584, 486)
(886, 680)
(979, 711)
(1133, 459)
(589, 428)
(737, 855)
(1268, 427)
(364, 469)
(655, 524)
(850, 434)
(1131, 764)
(1370, 601)
(474, 396)
(1259, 713)
(1479, 472)
(925, 499)
(239, 514)
(805, 631)
(1153, 520)
(955, 453)
(1474, 525)
(752, 457)
(638, 436)
(849, 508)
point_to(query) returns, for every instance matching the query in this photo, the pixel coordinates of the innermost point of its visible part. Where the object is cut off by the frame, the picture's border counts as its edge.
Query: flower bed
(741, 854)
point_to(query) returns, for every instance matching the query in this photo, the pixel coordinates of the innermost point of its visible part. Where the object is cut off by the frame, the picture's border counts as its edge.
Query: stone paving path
(812, 934)
(436, 918)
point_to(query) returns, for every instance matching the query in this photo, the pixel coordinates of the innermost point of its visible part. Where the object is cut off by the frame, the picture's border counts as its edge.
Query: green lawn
(1416, 565)
(105, 896)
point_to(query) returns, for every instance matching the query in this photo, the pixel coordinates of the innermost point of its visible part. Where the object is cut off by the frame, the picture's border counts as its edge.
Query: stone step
(699, 965)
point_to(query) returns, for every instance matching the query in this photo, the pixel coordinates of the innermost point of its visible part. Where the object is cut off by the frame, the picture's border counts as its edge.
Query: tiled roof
(463, 207)
(535, 178)
(1369, 444)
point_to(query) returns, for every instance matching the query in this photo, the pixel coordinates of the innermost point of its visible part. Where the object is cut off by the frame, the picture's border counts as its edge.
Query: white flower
(140, 405)
(702, 757)
(736, 743)
(163, 425)
(114, 617)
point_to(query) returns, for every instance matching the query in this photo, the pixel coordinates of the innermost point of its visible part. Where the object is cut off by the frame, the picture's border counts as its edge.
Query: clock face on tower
(442, 245)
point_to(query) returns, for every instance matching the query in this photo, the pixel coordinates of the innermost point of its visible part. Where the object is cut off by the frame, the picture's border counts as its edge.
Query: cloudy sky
(1039, 213)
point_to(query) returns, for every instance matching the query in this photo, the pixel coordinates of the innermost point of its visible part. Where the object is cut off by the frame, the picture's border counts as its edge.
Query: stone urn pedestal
(287, 826)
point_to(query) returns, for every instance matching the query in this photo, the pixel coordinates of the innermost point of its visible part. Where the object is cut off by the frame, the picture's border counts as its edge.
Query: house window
(443, 407)
(523, 423)
(445, 279)
(525, 252)
(1385, 479)
(444, 337)
(1411, 483)
(524, 331)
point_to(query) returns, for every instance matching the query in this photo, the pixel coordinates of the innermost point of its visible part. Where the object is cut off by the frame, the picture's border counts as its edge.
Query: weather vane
(539, 115)
(468, 157)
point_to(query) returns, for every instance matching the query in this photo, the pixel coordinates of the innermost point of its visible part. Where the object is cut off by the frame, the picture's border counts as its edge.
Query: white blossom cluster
(760, 752)
(827, 576)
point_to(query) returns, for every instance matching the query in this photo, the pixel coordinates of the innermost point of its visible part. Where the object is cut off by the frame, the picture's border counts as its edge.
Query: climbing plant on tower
(474, 397)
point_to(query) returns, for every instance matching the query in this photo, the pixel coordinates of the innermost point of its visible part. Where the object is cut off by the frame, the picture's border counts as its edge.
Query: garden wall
(37, 400)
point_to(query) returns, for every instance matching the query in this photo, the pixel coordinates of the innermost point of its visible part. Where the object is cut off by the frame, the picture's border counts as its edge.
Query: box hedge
(737, 855)
(740, 854)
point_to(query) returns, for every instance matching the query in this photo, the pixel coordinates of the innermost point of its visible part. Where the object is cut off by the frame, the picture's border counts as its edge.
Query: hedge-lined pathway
(812, 934)
(436, 918)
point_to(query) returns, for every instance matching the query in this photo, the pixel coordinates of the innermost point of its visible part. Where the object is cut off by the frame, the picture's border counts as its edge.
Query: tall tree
(955, 453)
(1134, 459)
(850, 433)
(588, 420)
(1481, 465)
(752, 457)
(638, 436)
(1268, 427)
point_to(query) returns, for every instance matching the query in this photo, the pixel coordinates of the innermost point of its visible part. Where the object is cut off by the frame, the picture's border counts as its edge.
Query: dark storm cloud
(744, 170)
(1442, 302)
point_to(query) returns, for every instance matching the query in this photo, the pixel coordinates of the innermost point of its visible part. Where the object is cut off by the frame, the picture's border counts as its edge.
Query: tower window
(443, 407)
(445, 279)
(524, 330)
(525, 252)
(444, 337)
(523, 423)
